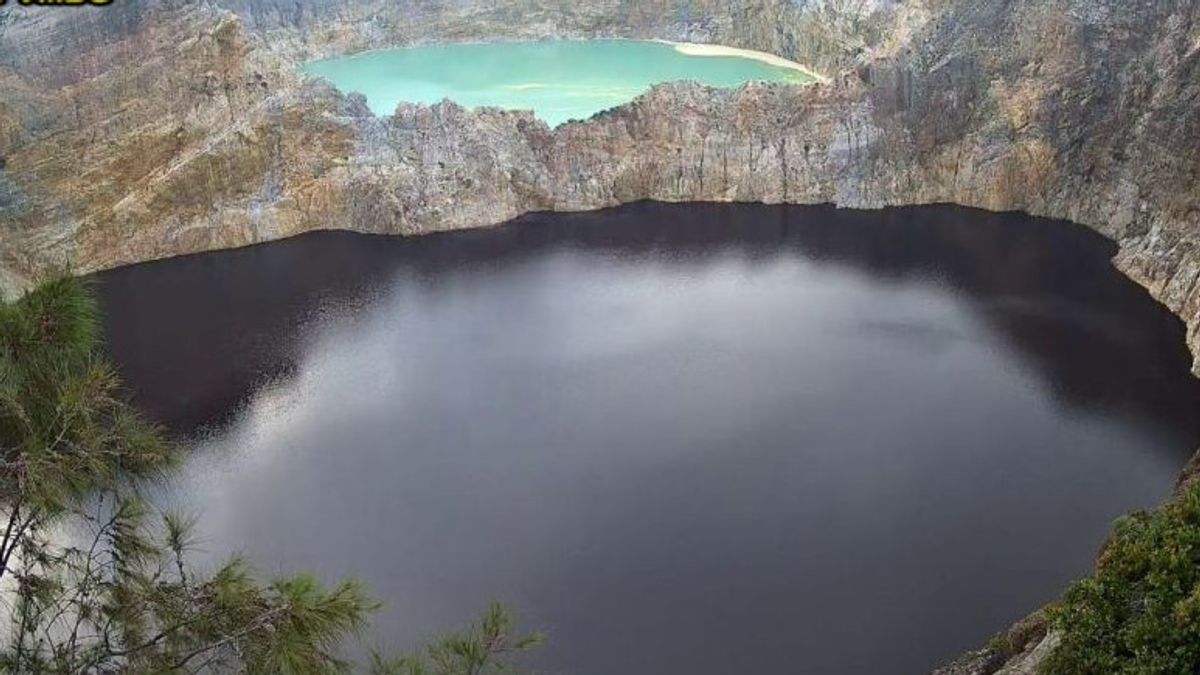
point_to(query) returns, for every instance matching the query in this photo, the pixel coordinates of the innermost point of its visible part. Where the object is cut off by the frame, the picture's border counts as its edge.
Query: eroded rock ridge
(152, 129)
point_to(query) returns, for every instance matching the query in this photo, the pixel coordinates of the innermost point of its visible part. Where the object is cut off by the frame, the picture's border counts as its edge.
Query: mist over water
(702, 439)
(559, 80)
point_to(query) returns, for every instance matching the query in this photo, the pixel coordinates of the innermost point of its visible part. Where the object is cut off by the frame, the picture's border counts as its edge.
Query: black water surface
(702, 439)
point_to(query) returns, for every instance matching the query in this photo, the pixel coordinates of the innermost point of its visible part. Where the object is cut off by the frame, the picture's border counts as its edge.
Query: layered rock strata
(153, 129)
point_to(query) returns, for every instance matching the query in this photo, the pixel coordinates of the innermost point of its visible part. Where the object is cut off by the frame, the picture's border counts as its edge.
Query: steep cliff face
(169, 127)
(1085, 110)
(151, 129)
(823, 33)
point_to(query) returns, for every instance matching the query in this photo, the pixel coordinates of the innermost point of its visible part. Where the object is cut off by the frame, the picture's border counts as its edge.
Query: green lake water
(559, 80)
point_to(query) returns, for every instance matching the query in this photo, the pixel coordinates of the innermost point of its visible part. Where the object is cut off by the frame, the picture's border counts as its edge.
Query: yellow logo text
(52, 3)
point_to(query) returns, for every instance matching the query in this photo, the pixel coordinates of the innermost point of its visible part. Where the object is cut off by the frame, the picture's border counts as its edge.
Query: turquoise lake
(559, 80)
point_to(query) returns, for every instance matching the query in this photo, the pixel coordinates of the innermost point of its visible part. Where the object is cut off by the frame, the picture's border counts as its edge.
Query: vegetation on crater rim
(92, 582)
(1140, 612)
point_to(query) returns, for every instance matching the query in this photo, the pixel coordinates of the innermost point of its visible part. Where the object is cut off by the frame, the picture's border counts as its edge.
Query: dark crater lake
(701, 439)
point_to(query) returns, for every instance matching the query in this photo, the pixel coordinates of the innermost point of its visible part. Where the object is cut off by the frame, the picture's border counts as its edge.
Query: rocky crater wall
(152, 129)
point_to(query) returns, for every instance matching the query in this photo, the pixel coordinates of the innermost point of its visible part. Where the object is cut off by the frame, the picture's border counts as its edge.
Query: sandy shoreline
(687, 48)
(697, 49)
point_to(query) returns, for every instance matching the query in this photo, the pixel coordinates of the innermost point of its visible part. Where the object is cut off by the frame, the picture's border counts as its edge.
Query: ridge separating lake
(560, 80)
(703, 439)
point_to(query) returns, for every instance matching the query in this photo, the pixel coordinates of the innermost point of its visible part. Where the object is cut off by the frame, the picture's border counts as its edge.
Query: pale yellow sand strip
(697, 49)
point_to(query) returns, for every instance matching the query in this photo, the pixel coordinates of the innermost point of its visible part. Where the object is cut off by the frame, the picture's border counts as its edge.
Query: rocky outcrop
(177, 126)
(827, 34)
(155, 128)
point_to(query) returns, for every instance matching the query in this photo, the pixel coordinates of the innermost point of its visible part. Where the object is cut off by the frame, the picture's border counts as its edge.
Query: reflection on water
(701, 438)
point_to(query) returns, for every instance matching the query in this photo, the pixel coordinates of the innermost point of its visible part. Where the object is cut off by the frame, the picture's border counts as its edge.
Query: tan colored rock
(205, 136)
(162, 128)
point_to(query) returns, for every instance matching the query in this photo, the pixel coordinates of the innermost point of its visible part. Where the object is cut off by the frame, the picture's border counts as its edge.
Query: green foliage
(1140, 613)
(125, 600)
(64, 432)
(92, 580)
(485, 648)
(95, 582)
